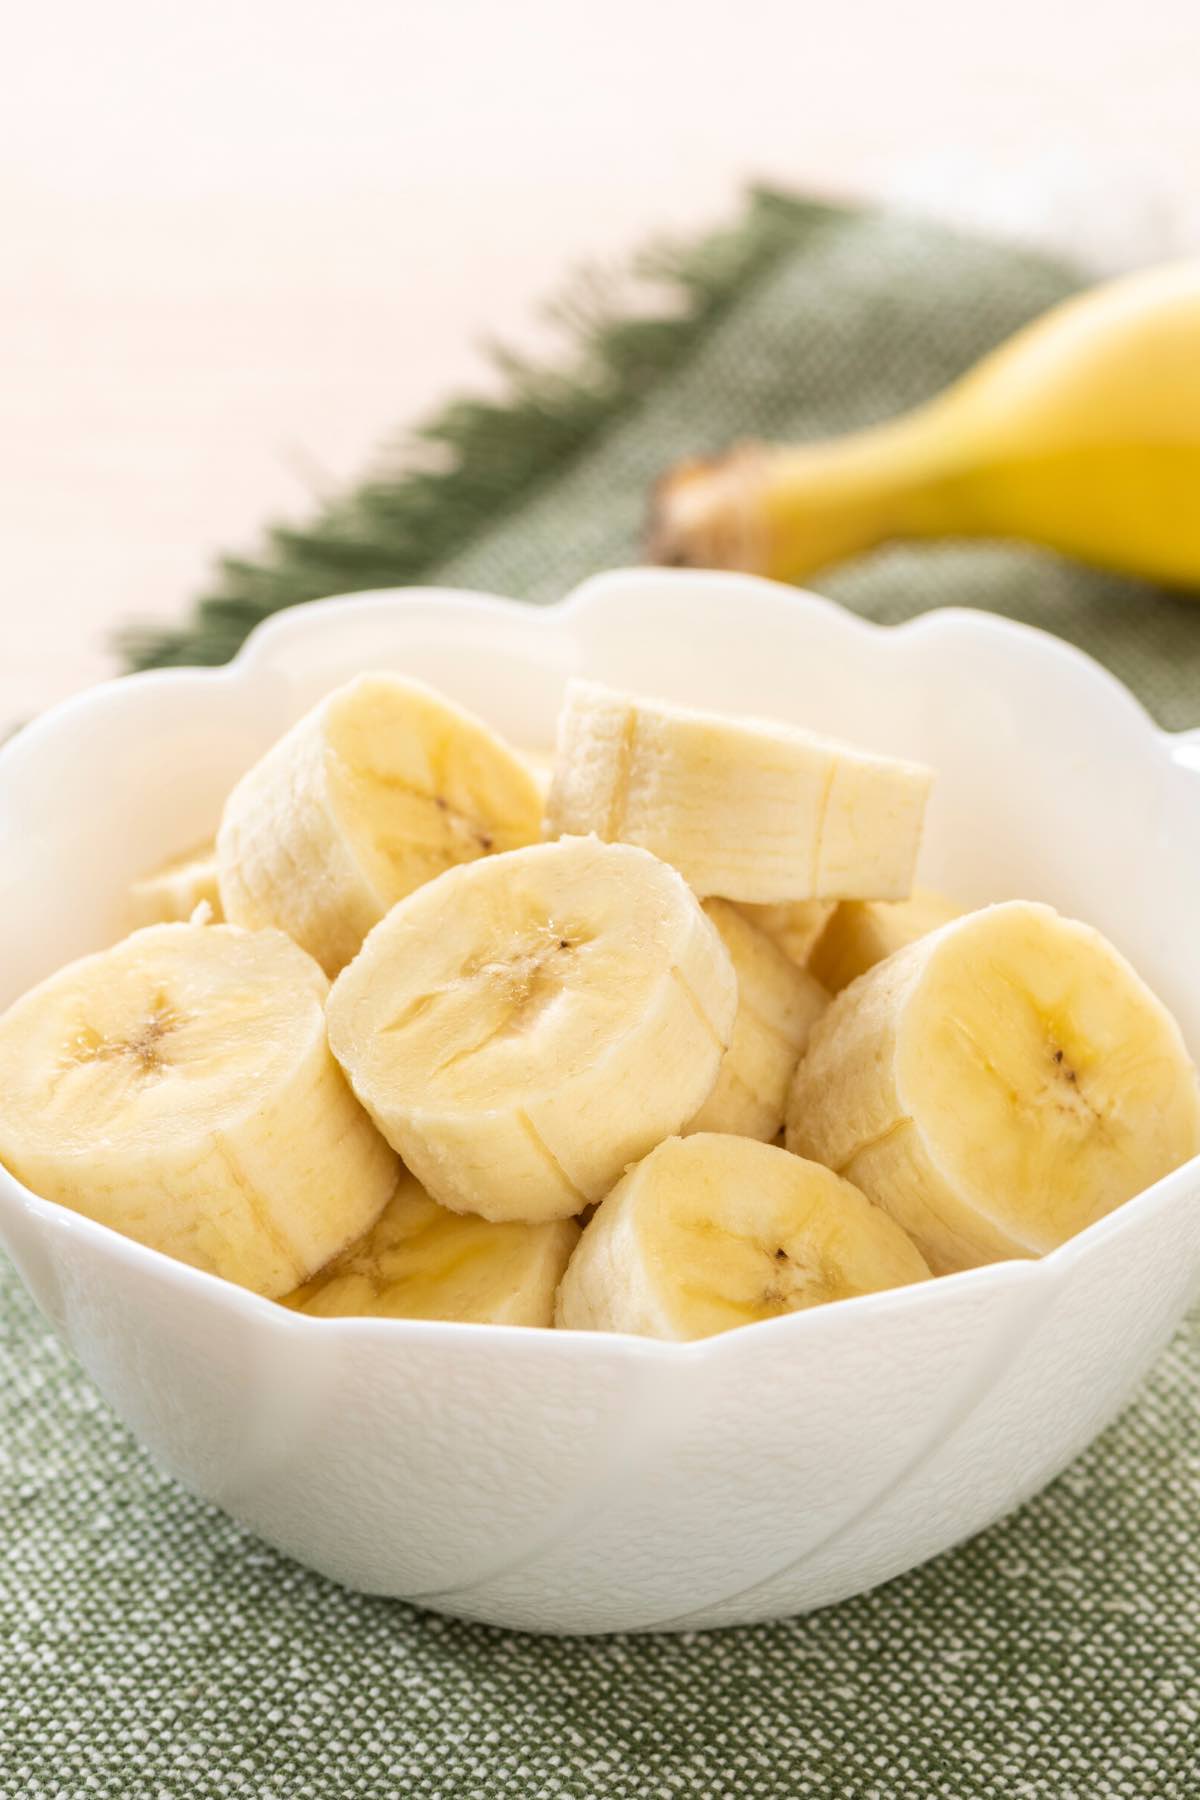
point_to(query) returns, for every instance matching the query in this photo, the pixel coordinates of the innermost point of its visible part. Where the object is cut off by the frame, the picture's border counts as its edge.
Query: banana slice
(795, 925)
(778, 1005)
(179, 1088)
(420, 1261)
(525, 1026)
(862, 932)
(172, 892)
(710, 1232)
(997, 1085)
(742, 808)
(377, 790)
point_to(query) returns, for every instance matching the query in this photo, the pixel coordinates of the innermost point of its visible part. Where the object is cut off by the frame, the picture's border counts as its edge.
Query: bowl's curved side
(760, 1458)
(394, 1457)
(576, 1484)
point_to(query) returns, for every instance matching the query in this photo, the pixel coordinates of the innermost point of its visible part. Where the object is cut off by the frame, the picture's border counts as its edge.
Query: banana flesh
(795, 925)
(778, 1005)
(180, 1089)
(172, 892)
(997, 1086)
(745, 809)
(381, 787)
(526, 1025)
(711, 1232)
(862, 933)
(420, 1261)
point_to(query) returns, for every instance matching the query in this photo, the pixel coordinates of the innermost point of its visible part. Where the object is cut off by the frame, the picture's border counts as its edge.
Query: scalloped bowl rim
(793, 1327)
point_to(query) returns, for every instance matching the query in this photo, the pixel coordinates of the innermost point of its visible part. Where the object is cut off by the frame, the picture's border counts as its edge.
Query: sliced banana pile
(658, 1037)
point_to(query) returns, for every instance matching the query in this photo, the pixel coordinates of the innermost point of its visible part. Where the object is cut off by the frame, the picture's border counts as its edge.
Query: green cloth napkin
(150, 1648)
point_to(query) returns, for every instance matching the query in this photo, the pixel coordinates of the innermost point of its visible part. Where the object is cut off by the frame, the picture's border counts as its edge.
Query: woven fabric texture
(150, 1649)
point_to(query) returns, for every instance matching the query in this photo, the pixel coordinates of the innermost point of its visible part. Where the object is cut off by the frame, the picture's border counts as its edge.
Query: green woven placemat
(149, 1648)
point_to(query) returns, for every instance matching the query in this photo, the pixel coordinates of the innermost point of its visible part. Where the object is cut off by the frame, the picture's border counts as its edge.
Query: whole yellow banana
(1081, 433)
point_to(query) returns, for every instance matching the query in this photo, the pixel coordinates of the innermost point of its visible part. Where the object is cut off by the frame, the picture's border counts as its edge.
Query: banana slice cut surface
(778, 1005)
(710, 1232)
(998, 1085)
(420, 1261)
(380, 788)
(743, 808)
(179, 1087)
(525, 1026)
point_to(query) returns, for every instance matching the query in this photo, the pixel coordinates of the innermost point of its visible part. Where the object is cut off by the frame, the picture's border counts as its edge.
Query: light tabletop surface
(243, 244)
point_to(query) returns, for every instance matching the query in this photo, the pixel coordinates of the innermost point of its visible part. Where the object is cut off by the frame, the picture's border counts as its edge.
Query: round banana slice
(997, 1086)
(381, 787)
(795, 925)
(710, 1232)
(172, 892)
(778, 1005)
(862, 933)
(179, 1088)
(420, 1261)
(524, 1027)
(741, 807)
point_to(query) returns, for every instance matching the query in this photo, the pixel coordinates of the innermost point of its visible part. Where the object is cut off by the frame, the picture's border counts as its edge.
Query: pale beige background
(243, 240)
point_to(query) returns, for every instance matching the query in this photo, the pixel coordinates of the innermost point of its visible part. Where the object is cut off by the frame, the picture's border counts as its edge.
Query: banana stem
(788, 510)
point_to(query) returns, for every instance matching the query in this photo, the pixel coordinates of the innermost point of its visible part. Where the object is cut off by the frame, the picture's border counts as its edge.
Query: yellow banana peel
(1081, 433)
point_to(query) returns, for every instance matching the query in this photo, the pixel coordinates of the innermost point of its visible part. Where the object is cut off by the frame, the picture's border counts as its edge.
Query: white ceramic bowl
(567, 1482)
